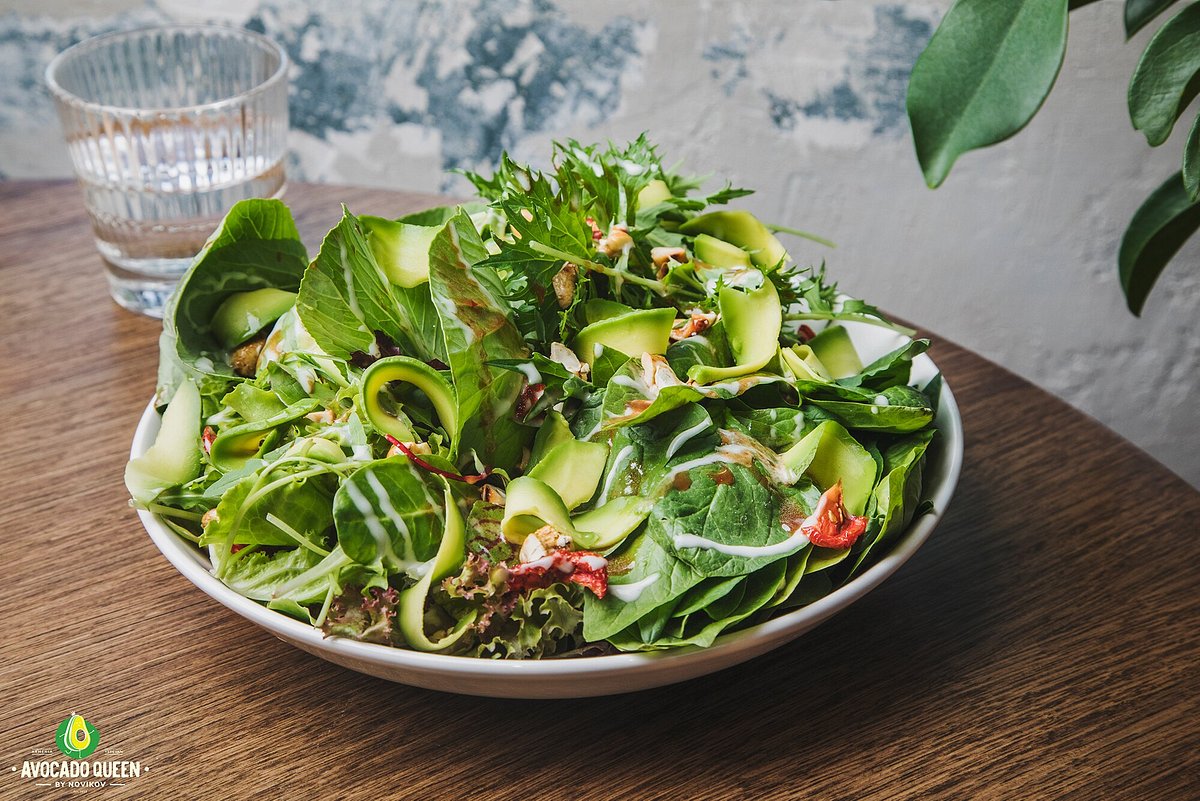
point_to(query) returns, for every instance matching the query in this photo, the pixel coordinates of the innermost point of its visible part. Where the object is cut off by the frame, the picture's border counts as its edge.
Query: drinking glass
(168, 127)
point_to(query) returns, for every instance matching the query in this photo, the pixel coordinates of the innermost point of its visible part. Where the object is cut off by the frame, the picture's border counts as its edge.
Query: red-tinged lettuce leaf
(368, 615)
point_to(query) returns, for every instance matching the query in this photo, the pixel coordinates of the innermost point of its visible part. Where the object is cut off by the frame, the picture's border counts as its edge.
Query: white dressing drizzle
(618, 463)
(790, 545)
(684, 436)
(385, 503)
(629, 593)
(382, 541)
(530, 372)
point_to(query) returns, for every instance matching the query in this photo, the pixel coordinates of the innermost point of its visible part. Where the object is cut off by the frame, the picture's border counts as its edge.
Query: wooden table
(1043, 644)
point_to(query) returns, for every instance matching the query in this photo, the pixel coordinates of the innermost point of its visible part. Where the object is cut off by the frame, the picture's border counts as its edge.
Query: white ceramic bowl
(597, 675)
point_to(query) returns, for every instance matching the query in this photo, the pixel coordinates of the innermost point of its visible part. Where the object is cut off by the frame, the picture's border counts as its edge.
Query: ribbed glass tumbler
(167, 128)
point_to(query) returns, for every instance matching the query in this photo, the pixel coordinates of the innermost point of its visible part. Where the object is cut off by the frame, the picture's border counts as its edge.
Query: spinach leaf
(891, 369)
(655, 578)
(701, 629)
(728, 505)
(896, 497)
(477, 332)
(897, 410)
(777, 428)
(387, 510)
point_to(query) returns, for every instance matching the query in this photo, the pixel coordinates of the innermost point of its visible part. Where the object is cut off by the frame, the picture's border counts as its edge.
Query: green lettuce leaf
(477, 331)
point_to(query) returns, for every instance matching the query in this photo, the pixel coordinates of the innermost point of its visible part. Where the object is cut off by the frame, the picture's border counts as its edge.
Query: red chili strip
(424, 465)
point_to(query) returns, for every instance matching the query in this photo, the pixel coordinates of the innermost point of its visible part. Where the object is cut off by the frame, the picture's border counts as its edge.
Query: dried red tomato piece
(830, 526)
(585, 568)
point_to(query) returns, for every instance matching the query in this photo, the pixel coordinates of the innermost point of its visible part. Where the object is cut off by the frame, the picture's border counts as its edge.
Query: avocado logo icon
(76, 737)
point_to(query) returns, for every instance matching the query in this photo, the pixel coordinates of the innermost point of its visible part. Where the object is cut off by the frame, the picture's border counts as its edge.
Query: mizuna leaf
(984, 74)
(1191, 161)
(1159, 228)
(1138, 13)
(1164, 81)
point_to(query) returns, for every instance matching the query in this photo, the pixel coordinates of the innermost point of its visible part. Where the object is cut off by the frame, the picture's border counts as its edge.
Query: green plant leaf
(1165, 79)
(1191, 161)
(1159, 228)
(1139, 13)
(982, 77)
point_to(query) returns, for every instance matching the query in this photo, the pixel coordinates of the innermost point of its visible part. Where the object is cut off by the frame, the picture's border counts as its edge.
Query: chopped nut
(663, 256)
(697, 323)
(419, 448)
(549, 538)
(490, 494)
(325, 416)
(245, 357)
(617, 241)
(566, 357)
(532, 549)
(564, 284)
(209, 517)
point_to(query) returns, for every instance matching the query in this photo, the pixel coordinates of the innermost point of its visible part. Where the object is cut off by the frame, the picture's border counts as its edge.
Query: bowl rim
(191, 563)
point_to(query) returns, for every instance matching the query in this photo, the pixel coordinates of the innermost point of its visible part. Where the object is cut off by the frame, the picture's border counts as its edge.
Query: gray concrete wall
(803, 100)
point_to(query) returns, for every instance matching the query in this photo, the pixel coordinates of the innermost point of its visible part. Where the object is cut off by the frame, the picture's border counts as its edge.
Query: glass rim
(70, 98)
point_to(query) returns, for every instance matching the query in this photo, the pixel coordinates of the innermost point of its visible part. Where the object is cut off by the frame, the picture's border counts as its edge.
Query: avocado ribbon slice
(423, 377)
(450, 556)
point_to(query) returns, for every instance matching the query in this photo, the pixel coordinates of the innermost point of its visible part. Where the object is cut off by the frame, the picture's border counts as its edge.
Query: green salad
(594, 411)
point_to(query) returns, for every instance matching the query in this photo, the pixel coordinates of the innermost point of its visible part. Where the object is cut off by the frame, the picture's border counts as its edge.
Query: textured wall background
(1014, 257)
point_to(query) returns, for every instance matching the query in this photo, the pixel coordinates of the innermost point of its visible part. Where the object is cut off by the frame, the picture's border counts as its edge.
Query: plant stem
(783, 229)
(858, 318)
(658, 287)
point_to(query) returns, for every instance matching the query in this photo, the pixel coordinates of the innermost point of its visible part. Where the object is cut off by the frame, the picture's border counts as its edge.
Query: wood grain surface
(1044, 644)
